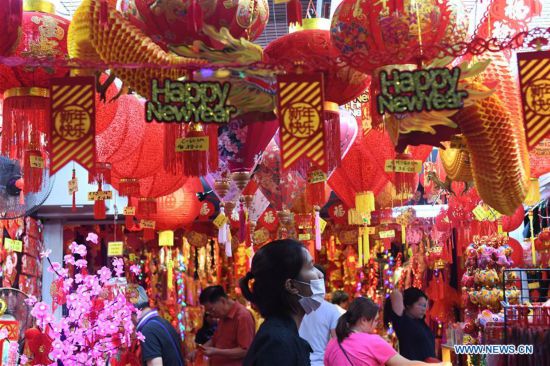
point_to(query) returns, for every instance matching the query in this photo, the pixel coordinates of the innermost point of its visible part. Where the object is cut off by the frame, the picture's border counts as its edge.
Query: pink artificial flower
(81, 263)
(135, 269)
(73, 246)
(105, 274)
(140, 337)
(118, 263)
(46, 253)
(93, 238)
(81, 250)
(69, 259)
(23, 360)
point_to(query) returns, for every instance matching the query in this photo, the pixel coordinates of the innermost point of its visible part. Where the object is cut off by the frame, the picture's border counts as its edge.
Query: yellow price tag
(166, 238)
(147, 224)
(129, 211)
(322, 225)
(220, 220)
(100, 196)
(13, 245)
(115, 249)
(387, 234)
(480, 213)
(192, 144)
(533, 285)
(317, 176)
(304, 237)
(36, 162)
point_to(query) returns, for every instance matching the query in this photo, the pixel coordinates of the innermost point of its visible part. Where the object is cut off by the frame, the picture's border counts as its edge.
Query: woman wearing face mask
(283, 284)
(406, 312)
(355, 345)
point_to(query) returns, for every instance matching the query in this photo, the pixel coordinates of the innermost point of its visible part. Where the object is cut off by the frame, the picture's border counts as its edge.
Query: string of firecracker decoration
(180, 283)
(533, 38)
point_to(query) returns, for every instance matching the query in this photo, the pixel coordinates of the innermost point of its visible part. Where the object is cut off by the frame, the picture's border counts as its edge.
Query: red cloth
(235, 330)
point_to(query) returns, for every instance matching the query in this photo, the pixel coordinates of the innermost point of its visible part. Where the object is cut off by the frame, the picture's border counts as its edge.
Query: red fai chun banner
(73, 122)
(301, 117)
(534, 78)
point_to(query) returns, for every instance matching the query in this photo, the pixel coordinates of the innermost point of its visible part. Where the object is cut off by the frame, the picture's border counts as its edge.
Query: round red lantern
(511, 223)
(171, 23)
(382, 33)
(26, 107)
(179, 208)
(312, 47)
(11, 14)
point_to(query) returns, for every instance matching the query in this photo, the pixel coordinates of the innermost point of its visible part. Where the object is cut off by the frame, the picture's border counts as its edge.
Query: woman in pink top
(355, 345)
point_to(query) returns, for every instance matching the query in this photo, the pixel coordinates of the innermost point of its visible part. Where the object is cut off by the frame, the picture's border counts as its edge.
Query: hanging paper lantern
(498, 152)
(456, 163)
(106, 110)
(382, 33)
(312, 47)
(26, 106)
(11, 14)
(511, 223)
(169, 23)
(177, 209)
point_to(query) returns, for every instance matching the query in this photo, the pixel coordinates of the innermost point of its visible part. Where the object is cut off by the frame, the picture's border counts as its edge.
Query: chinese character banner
(301, 118)
(534, 78)
(73, 122)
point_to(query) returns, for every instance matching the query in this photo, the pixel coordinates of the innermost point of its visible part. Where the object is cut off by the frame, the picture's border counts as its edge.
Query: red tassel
(315, 190)
(33, 176)
(147, 206)
(26, 118)
(213, 161)
(405, 183)
(129, 221)
(100, 212)
(173, 161)
(294, 12)
(100, 173)
(195, 163)
(242, 224)
(374, 89)
(148, 234)
(332, 135)
(129, 187)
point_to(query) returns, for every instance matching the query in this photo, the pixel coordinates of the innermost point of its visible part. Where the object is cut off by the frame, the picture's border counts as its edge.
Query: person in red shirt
(235, 330)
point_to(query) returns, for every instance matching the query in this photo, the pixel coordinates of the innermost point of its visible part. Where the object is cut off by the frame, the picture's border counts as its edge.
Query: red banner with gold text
(301, 119)
(73, 122)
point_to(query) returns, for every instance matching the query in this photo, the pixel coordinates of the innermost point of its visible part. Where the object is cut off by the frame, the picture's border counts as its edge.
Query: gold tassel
(360, 247)
(533, 192)
(533, 252)
(366, 244)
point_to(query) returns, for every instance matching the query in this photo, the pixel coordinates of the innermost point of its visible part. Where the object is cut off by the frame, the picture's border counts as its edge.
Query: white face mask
(313, 302)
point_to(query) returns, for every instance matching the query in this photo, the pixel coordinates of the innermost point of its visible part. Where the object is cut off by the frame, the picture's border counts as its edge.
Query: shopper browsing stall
(280, 284)
(355, 344)
(407, 312)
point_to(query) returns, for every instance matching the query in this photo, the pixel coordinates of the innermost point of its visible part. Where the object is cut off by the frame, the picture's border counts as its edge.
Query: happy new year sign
(420, 90)
(189, 101)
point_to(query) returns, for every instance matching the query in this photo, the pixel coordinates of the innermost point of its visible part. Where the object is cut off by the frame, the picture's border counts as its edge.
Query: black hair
(410, 296)
(339, 297)
(211, 294)
(359, 308)
(272, 266)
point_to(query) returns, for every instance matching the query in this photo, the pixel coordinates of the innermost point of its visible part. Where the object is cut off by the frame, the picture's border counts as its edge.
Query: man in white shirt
(318, 327)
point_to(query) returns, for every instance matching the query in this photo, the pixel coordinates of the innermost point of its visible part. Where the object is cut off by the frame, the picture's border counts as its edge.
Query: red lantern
(174, 23)
(11, 14)
(179, 208)
(382, 33)
(26, 107)
(312, 47)
(511, 223)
